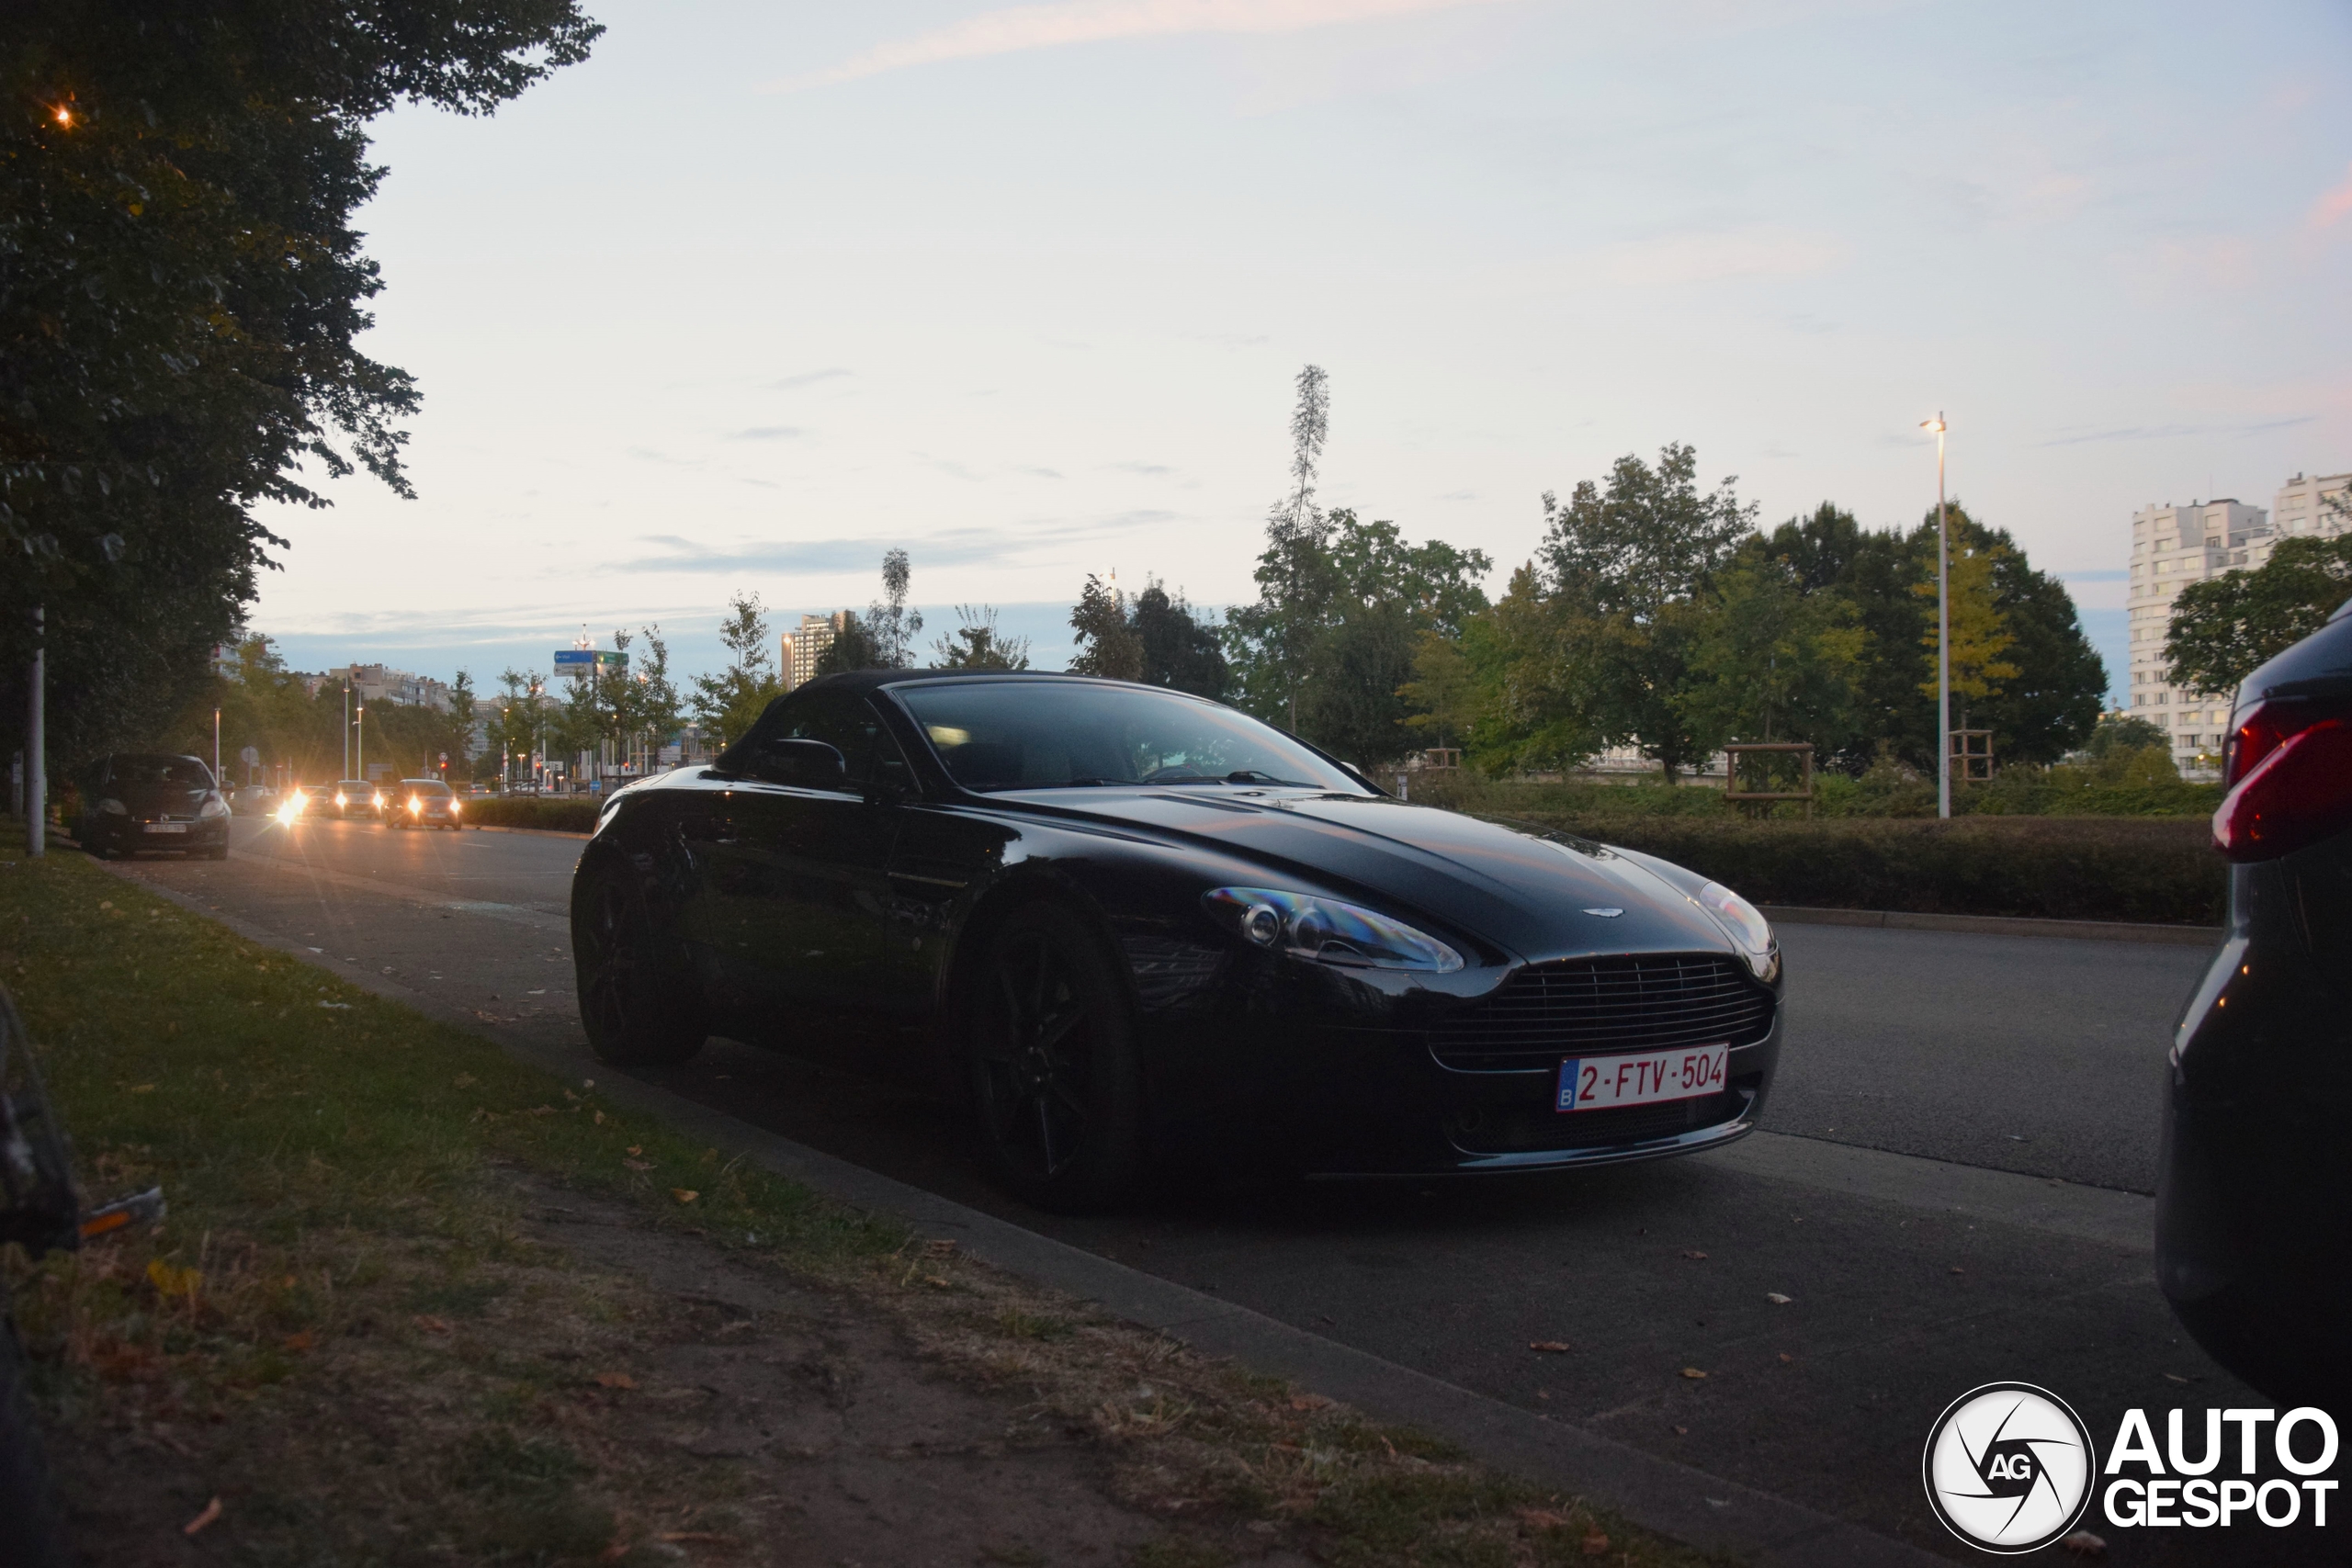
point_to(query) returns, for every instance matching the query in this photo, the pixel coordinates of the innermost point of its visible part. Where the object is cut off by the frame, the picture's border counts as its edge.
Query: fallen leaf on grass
(211, 1512)
(1787, 1360)
(944, 1247)
(1693, 1373)
(170, 1281)
(614, 1380)
(1958, 1269)
(1777, 1299)
(639, 1164)
(1549, 1346)
(466, 1080)
(1595, 1544)
(2085, 1544)
(685, 1194)
(143, 1088)
(1696, 1256)
(432, 1325)
(1309, 1402)
(637, 1148)
(710, 1538)
(1541, 1519)
(2175, 1377)
(1682, 1431)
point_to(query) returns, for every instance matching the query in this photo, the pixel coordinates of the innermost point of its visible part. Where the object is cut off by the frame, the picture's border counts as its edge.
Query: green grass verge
(346, 1312)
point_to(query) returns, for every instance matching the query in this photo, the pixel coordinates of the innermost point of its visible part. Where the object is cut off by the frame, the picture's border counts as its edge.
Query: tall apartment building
(2175, 545)
(802, 647)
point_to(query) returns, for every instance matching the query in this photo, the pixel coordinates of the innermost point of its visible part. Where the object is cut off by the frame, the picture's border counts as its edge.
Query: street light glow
(64, 116)
(1935, 424)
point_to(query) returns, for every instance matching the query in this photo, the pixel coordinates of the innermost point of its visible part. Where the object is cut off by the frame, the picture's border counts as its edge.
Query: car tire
(1055, 1082)
(639, 1001)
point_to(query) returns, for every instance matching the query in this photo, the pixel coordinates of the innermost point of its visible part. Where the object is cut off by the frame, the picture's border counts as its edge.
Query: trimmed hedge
(563, 815)
(2159, 870)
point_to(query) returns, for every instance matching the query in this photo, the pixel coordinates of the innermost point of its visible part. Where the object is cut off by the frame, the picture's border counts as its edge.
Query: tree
(1770, 661)
(516, 730)
(852, 648)
(1180, 648)
(461, 745)
(2121, 732)
(1268, 641)
(180, 304)
(893, 625)
(1626, 561)
(1108, 646)
(2225, 628)
(977, 644)
(661, 707)
(1445, 694)
(727, 704)
(1980, 632)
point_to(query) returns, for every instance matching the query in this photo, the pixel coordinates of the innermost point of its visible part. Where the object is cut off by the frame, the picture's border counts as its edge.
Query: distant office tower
(802, 648)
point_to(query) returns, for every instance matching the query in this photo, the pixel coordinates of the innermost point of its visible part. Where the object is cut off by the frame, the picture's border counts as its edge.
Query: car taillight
(2290, 781)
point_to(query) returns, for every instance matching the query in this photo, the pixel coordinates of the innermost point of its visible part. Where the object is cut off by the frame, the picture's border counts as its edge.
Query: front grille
(1584, 1007)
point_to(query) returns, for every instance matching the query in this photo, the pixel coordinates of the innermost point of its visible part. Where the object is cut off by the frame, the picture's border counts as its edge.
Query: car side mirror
(813, 764)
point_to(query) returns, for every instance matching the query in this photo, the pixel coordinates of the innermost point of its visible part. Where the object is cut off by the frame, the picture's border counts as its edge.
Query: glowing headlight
(453, 809)
(1738, 918)
(414, 806)
(379, 802)
(339, 801)
(1327, 931)
(290, 810)
(113, 809)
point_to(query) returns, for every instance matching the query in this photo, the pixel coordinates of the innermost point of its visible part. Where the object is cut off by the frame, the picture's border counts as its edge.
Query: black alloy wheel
(1055, 1084)
(638, 1000)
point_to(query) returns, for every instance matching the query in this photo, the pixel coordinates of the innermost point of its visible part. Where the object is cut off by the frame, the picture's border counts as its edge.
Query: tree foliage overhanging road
(181, 292)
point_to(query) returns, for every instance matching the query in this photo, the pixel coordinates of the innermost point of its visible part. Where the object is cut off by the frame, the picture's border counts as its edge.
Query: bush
(561, 815)
(2155, 870)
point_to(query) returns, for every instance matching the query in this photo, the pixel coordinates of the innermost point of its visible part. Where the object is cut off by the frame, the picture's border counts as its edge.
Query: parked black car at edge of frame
(2253, 1185)
(1122, 922)
(135, 800)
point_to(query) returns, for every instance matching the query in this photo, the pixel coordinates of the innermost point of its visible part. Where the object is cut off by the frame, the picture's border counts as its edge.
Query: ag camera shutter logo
(2008, 1468)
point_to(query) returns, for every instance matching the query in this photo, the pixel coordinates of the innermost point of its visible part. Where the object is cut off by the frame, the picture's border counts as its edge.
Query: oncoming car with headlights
(422, 802)
(1120, 923)
(349, 797)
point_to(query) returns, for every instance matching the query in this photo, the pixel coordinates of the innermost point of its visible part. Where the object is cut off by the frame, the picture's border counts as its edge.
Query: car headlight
(113, 807)
(379, 802)
(1327, 931)
(213, 806)
(340, 802)
(1740, 919)
(454, 807)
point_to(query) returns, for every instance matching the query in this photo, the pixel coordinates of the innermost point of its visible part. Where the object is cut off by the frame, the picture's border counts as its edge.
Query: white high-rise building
(2175, 545)
(799, 651)
(2171, 547)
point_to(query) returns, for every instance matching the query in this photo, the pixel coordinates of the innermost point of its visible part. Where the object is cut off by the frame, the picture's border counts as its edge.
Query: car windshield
(158, 772)
(999, 735)
(428, 787)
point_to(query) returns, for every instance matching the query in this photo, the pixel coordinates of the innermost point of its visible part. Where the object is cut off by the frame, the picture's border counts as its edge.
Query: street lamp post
(361, 722)
(346, 729)
(1944, 629)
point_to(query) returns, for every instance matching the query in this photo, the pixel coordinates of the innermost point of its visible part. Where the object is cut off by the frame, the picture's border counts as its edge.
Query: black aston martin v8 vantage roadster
(1122, 922)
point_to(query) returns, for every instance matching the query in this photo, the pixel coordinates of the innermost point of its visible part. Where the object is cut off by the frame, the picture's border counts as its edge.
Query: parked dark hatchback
(2254, 1193)
(135, 800)
(1122, 922)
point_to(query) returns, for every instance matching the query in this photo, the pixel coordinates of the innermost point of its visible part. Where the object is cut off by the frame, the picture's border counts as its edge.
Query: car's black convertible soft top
(1124, 920)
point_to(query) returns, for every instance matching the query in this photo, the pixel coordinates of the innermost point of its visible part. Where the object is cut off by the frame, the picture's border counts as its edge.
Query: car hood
(1529, 893)
(151, 799)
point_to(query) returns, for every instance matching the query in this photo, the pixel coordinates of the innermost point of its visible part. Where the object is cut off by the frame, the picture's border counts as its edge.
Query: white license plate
(165, 826)
(1602, 1083)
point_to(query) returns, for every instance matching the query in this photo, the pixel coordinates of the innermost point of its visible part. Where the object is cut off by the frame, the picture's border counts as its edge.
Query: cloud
(650, 455)
(2176, 432)
(2334, 205)
(1043, 473)
(1143, 468)
(807, 378)
(766, 433)
(1018, 28)
(825, 557)
(1707, 256)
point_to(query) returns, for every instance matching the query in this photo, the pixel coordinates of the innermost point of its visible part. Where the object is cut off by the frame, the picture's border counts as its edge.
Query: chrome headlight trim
(1325, 931)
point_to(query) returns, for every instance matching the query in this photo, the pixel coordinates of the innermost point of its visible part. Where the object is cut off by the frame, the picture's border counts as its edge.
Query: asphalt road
(1963, 1128)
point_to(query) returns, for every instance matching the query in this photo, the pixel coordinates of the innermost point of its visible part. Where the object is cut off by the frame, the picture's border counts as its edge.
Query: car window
(841, 719)
(425, 786)
(160, 772)
(996, 735)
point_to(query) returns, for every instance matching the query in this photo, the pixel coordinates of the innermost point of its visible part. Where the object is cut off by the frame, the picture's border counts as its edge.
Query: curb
(539, 833)
(1995, 925)
(1675, 1500)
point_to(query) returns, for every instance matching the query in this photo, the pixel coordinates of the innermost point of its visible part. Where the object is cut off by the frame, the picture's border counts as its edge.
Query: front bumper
(1316, 1071)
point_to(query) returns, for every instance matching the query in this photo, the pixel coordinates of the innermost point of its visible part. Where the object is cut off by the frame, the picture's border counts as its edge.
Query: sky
(760, 292)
